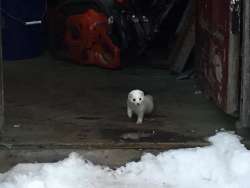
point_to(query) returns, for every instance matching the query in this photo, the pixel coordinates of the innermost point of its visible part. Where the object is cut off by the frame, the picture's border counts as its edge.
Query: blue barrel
(22, 28)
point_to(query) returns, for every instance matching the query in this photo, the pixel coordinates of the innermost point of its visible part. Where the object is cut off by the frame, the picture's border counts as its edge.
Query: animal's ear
(142, 93)
(130, 95)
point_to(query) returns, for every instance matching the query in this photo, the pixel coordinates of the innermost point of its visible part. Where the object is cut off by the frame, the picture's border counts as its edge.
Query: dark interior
(52, 102)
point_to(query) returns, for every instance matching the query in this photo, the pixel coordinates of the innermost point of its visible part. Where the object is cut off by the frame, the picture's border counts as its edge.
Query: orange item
(87, 40)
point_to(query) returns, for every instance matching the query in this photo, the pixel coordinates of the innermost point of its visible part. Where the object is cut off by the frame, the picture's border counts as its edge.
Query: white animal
(139, 104)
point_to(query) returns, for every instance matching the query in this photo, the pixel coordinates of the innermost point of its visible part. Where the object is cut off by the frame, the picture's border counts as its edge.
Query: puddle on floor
(135, 135)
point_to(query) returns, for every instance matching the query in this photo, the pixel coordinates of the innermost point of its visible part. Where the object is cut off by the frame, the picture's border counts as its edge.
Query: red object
(88, 42)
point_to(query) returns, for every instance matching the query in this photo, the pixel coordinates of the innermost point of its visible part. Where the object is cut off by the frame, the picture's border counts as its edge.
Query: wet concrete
(137, 135)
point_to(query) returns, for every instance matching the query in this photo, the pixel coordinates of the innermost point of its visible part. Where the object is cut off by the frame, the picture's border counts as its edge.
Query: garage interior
(57, 103)
(52, 103)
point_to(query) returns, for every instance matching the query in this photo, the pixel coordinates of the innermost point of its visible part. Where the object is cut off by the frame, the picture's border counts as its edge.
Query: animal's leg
(129, 112)
(140, 118)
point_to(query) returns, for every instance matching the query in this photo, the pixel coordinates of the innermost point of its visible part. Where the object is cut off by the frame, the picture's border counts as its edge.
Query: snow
(223, 164)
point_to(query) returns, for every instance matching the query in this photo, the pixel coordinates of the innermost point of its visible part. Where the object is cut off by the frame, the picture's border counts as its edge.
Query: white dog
(139, 104)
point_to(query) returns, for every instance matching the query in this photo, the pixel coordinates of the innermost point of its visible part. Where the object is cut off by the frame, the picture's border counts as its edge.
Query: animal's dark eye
(140, 99)
(133, 99)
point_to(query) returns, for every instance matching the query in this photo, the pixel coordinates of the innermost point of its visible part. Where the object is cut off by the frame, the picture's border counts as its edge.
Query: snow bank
(224, 164)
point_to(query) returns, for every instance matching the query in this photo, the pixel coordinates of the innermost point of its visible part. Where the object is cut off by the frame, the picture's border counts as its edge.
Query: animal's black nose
(138, 104)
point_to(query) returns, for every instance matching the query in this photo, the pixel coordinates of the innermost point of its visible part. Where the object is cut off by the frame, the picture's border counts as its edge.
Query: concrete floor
(54, 108)
(55, 104)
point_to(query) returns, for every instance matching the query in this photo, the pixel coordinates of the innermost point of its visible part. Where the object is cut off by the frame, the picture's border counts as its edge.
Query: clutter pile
(99, 32)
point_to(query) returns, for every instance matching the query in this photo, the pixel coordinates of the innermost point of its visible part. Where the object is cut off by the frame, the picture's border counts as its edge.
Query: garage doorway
(51, 102)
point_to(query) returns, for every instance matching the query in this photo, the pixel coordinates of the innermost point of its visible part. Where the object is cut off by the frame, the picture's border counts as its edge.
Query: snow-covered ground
(224, 164)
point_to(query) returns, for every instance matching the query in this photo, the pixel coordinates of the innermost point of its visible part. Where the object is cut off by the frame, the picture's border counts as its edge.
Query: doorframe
(245, 67)
(1, 82)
